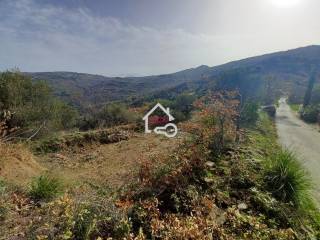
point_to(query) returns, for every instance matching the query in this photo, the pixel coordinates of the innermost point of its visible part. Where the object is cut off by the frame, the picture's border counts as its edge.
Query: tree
(184, 103)
(114, 114)
(249, 113)
(182, 106)
(315, 99)
(32, 104)
(219, 113)
(311, 82)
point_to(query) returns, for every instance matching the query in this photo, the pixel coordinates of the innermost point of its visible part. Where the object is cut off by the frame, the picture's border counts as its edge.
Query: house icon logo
(163, 124)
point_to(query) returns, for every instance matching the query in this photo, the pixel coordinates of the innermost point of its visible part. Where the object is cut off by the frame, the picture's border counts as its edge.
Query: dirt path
(302, 138)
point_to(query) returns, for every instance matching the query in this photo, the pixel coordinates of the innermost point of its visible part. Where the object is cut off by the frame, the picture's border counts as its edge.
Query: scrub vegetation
(96, 176)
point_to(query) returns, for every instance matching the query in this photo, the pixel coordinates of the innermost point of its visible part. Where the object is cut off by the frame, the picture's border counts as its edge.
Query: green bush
(111, 115)
(184, 103)
(249, 113)
(181, 106)
(84, 223)
(315, 98)
(179, 116)
(310, 113)
(33, 103)
(295, 107)
(115, 114)
(287, 180)
(45, 188)
(63, 116)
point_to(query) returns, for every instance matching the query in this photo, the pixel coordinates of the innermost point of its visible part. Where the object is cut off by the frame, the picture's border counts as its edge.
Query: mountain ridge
(94, 89)
(313, 47)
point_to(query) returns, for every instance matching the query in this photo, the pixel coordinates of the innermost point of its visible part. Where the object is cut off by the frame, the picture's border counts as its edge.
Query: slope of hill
(96, 89)
(17, 164)
(287, 70)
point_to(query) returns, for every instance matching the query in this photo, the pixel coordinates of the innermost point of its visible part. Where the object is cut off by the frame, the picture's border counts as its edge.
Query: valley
(75, 162)
(159, 120)
(285, 72)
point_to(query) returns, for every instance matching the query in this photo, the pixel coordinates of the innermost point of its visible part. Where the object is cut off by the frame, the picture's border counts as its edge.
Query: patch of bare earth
(108, 164)
(17, 164)
(102, 165)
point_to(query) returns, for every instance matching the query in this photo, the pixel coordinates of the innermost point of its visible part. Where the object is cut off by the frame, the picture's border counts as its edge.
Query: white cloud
(37, 37)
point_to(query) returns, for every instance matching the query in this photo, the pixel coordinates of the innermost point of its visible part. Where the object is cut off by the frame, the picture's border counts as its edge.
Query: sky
(148, 37)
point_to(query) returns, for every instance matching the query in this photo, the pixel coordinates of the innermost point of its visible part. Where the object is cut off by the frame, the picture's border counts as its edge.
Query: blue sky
(143, 37)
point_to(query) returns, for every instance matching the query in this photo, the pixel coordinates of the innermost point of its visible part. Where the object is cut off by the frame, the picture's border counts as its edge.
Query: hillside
(151, 187)
(96, 89)
(213, 181)
(288, 71)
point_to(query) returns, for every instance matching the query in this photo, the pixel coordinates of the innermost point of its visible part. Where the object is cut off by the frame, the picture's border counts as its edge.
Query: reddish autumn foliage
(158, 120)
(216, 124)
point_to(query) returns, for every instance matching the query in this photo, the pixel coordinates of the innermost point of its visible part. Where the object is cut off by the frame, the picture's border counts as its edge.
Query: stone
(242, 206)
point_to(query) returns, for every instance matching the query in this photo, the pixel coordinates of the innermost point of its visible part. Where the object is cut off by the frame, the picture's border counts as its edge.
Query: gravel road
(302, 138)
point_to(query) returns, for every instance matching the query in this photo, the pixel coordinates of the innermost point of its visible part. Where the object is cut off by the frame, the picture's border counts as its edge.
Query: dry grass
(103, 166)
(100, 164)
(17, 163)
(108, 164)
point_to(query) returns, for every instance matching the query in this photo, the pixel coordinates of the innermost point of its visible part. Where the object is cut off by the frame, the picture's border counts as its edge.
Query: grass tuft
(287, 179)
(45, 187)
(295, 107)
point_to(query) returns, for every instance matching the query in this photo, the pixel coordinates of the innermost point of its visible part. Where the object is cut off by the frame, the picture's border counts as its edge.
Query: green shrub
(3, 211)
(84, 223)
(115, 114)
(33, 103)
(295, 107)
(101, 218)
(315, 98)
(179, 116)
(63, 116)
(249, 113)
(310, 113)
(111, 115)
(184, 104)
(45, 188)
(287, 179)
(49, 145)
(181, 106)
(186, 198)
(123, 229)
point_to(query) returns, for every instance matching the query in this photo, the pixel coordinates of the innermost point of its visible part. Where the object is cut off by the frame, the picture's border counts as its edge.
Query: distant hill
(279, 72)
